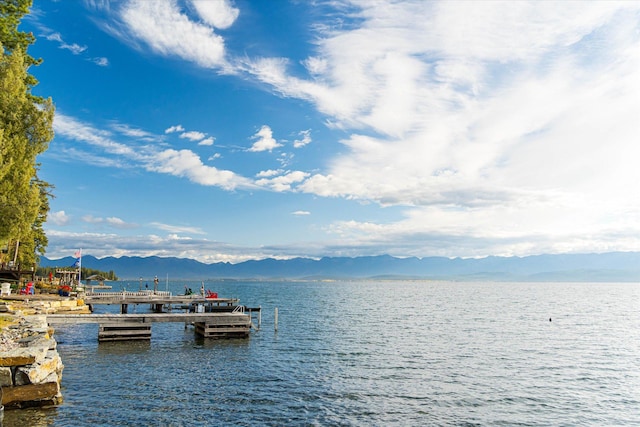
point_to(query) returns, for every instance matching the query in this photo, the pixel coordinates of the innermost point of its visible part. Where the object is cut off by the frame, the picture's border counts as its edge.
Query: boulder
(37, 373)
(32, 394)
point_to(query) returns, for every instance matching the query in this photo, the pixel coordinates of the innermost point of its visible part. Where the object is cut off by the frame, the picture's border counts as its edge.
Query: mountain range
(604, 267)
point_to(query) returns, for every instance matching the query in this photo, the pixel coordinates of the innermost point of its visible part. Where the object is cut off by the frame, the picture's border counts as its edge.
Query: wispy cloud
(61, 243)
(114, 222)
(133, 132)
(100, 61)
(502, 119)
(494, 127)
(74, 48)
(304, 140)
(284, 182)
(181, 163)
(119, 223)
(177, 228)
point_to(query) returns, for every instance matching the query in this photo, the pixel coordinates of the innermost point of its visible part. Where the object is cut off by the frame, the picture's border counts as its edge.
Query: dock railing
(124, 294)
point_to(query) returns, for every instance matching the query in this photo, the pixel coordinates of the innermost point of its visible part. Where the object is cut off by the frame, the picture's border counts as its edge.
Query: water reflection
(29, 417)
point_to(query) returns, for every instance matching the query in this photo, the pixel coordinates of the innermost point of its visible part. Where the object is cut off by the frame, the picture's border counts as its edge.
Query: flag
(78, 256)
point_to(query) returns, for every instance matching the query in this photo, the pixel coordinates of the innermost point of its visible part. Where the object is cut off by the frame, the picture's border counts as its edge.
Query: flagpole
(80, 269)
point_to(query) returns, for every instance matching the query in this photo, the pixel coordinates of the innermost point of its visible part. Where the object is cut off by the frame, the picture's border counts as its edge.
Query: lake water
(370, 354)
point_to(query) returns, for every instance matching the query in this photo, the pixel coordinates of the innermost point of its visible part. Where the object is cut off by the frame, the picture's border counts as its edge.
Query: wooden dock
(212, 317)
(119, 327)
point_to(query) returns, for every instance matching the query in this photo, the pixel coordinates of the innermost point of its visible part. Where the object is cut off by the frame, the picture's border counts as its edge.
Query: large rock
(32, 394)
(35, 353)
(30, 366)
(36, 373)
(17, 357)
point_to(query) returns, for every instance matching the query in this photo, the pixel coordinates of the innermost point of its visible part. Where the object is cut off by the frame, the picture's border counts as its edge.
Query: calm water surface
(370, 353)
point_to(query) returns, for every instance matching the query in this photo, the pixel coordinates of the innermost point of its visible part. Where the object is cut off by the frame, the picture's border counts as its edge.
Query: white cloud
(183, 163)
(74, 48)
(58, 218)
(494, 126)
(119, 223)
(269, 173)
(264, 140)
(169, 32)
(110, 221)
(193, 135)
(131, 131)
(285, 159)
(301, 213)
(207, 141)
(74, 129)
(55, 37)
(508, 111)
(177, 228)
(101, 61)
(282, 182)
(220, 14)
(305, 140)
(92, 219)
(108, 244)
(172, 129)
(315, 66)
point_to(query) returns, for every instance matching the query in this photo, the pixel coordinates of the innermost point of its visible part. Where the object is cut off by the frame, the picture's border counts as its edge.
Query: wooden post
(260, 317)
(275, 321)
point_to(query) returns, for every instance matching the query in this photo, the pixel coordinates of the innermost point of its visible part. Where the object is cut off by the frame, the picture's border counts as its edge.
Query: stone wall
(30, 366)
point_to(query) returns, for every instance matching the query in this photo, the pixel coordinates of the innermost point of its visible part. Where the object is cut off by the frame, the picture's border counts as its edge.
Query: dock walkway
(57, 319)
(212, 317)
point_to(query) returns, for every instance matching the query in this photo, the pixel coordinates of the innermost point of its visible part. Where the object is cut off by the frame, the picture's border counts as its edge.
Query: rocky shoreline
(30, 366)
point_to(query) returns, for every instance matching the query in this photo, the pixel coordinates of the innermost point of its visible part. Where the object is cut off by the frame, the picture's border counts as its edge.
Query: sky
(225, 131)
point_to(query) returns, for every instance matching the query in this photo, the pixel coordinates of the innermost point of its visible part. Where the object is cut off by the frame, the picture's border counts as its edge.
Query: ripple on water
(379, 353)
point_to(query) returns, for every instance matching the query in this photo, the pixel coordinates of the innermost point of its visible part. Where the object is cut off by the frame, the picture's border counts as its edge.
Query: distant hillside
(613, 266)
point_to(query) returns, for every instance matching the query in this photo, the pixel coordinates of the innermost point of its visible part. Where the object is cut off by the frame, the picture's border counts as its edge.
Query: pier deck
(125, 327)
(212, 317)
(57, 319)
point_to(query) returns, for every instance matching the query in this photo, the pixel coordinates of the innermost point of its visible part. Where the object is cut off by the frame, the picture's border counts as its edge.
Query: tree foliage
(26, 127)
(11, 13)
(86, 272)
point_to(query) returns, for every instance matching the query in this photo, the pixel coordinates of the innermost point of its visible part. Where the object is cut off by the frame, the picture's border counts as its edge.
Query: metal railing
(124, 294)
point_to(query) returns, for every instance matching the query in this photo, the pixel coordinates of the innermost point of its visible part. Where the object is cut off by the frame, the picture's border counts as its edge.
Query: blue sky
(235, 130)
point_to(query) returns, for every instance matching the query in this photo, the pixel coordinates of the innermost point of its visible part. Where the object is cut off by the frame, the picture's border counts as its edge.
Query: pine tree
(26, 127)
